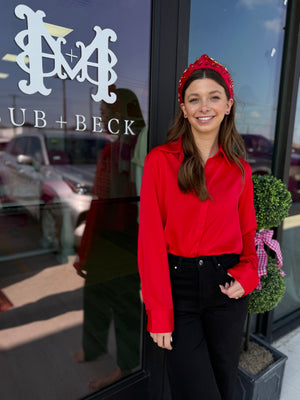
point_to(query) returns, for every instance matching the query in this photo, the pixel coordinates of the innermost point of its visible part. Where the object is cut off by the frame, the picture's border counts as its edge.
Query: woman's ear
(229, 105)
(183, 109)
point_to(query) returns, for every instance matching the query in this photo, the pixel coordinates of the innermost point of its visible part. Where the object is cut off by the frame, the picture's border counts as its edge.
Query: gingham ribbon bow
(265, 238)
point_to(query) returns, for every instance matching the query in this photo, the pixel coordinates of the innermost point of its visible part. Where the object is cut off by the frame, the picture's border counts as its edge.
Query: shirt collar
(174, 147)
(221, 151)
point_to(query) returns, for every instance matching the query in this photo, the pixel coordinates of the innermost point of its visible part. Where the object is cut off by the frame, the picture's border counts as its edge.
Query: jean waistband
(220, 261)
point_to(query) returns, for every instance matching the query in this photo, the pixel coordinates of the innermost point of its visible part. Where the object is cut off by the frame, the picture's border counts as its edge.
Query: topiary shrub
(273, 288)
(272, 201)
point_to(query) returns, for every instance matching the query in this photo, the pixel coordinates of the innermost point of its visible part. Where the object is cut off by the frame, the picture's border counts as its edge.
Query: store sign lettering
(18, 118)
(30, 41)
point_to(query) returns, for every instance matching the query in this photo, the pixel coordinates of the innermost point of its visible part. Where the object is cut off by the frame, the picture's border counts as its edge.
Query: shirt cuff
(246, 275)
(160, 321)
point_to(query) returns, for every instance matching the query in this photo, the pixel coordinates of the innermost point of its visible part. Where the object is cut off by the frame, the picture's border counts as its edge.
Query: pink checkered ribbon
(265, 238)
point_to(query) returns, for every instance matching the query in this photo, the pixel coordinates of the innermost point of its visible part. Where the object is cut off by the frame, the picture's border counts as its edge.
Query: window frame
(284, 131)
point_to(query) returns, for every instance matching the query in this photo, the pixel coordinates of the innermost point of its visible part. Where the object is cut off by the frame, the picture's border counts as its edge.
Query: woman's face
(205, 105)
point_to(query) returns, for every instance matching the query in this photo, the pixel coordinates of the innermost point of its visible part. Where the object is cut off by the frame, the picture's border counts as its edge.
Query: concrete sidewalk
(290, 346)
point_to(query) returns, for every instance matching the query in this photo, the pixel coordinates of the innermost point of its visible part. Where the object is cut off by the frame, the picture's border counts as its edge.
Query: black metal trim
(169, 54)
(182, 43)
(117, 200)
(286, 324)
(134, 384)
(288, 92)
(295, 209)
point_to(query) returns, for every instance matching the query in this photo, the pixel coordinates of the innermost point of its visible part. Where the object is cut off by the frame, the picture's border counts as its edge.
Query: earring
(185, 115)
(228, 112)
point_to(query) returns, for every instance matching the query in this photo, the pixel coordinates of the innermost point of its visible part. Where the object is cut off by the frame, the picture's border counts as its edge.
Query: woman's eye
(215, 98)
(193, 100)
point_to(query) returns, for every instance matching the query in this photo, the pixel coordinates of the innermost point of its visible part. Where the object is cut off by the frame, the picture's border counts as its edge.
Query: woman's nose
(204, 105)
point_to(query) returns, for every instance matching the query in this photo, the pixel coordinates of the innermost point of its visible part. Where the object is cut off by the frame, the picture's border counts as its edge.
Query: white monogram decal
(30, 41)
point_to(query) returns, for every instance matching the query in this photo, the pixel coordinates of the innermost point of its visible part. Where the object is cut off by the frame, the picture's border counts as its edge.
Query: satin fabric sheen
(180, 223)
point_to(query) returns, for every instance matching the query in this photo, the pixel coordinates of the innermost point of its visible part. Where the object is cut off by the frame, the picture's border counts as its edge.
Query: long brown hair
(191, 176)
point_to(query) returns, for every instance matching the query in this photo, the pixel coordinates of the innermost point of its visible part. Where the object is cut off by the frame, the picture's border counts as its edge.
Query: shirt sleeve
(152, 253)
(246, 271)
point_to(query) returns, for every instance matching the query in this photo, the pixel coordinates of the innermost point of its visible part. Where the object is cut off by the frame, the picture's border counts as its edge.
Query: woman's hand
(162, 340)
(234, 290)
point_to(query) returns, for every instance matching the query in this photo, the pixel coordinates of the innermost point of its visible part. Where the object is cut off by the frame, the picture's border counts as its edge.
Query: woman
(197, 258)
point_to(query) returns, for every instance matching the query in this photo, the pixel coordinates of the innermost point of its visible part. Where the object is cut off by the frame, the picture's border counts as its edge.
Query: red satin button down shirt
(182, 224)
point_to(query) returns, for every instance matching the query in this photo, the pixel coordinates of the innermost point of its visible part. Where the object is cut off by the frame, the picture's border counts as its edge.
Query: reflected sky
(129, 19)
(247, 36)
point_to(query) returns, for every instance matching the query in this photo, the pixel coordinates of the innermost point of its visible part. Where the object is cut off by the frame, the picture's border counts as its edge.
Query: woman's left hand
(234, 290)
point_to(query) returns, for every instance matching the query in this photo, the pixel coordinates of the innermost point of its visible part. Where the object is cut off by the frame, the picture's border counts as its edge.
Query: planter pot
(267, 384)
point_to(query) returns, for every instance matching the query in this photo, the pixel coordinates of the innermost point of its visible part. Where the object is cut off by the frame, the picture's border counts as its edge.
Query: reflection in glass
(107, 256)
(50, 174)
(291, 231)
(69, 181)
(294, 176)
(252, 35)
(259, 153)
(291, 255)
(88, 182)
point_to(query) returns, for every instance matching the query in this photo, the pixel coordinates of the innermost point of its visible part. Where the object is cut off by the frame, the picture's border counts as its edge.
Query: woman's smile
(205, 119)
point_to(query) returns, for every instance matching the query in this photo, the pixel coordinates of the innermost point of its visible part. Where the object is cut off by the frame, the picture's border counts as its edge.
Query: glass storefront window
(74, 79)
(294, 175)
(247, 36)
(291, 254)
(291, 231)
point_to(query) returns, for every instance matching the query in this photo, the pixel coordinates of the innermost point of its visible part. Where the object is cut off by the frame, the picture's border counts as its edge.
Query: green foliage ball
(272, 201)
(273, 288)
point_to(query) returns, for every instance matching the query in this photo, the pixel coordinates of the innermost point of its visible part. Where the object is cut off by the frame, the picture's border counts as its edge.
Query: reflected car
(51, 174)
(259, 153)
(3, 144)
(294, 179)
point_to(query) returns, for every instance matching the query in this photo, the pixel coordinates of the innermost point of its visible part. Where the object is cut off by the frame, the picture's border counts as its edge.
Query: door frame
(168, 58)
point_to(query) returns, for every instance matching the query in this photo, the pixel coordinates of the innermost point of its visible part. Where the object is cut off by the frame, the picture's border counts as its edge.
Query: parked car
(51, 174)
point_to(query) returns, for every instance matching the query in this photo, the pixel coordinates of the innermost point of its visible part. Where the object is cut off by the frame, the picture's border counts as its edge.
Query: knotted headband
(205, 62)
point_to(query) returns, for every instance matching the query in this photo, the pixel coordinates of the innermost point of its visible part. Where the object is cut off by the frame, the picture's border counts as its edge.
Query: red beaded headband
(205, 62)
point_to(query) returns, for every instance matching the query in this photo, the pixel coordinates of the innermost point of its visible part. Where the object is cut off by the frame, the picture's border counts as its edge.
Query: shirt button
(200, 262)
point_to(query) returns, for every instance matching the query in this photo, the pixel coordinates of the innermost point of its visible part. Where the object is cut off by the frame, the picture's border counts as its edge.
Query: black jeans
(208, 329)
